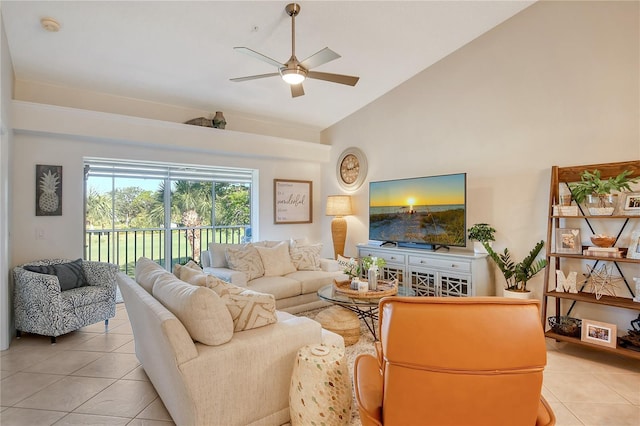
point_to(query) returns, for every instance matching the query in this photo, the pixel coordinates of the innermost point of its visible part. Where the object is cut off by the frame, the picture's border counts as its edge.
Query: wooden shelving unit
(563, 176)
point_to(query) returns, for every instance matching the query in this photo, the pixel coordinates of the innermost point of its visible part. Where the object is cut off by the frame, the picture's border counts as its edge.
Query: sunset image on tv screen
(427, 210)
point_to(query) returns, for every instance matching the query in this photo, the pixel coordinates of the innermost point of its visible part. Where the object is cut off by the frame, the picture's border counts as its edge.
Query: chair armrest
(34, 283)
(42, 288)
(367, 381)
(205, 259)
(237, 278)
(100, 273)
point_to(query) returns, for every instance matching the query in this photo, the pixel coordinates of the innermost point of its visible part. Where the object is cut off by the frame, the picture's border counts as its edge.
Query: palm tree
(191, 202)
(98, 209)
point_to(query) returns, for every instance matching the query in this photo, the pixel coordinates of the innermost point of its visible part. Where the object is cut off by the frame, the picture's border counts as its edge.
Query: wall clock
(351, 169)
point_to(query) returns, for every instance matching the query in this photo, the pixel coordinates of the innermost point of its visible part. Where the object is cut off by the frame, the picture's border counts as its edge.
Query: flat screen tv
(424, 212)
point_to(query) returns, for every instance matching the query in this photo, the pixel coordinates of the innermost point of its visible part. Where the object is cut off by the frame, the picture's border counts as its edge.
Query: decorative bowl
(603, 240)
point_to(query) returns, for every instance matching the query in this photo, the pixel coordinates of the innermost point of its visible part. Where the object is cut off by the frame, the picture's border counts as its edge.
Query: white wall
(63, 235)
(6, 88)
(557, 84)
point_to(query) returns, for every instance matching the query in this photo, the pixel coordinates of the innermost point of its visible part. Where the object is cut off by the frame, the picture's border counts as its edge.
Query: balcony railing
(124, 247)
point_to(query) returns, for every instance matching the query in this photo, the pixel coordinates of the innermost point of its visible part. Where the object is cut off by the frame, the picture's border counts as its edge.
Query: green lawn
(132, 245)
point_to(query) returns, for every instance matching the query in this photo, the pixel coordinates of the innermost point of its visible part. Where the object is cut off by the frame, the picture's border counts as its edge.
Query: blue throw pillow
(70, 275)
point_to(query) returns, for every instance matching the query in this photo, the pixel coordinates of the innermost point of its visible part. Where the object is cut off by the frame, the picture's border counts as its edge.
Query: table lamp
(338, 206)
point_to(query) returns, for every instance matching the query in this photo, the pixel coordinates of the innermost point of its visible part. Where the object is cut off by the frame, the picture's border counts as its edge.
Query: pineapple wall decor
(48, 190)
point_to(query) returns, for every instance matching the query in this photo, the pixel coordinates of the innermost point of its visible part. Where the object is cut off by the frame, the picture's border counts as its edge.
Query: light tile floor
(92, 377)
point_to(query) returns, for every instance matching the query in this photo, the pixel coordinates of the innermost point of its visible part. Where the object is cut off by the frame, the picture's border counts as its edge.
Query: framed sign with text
(292, 201)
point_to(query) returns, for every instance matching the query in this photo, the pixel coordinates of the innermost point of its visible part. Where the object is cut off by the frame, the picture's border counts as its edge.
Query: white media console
(434, 273)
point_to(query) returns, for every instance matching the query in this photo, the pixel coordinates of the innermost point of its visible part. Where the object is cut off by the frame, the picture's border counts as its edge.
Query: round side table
(320, 390)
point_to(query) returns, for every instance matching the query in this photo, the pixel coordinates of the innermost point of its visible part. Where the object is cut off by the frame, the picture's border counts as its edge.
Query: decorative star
(602, 280)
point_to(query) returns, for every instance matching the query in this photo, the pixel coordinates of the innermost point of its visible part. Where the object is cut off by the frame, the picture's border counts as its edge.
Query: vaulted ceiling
(181, 52)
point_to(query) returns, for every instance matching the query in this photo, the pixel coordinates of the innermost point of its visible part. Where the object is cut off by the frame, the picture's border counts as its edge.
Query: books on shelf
(613, 252)
(565, 210)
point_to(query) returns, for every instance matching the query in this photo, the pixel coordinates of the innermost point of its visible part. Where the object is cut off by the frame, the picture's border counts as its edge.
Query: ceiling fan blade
(254, 77)
(259, 56)
(320, 58)
(297, 90)
(334, 78)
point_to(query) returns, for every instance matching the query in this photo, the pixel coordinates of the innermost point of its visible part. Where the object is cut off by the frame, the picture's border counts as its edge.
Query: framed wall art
(599, 333)
(568, 241)
(48, 190)
(292, 201)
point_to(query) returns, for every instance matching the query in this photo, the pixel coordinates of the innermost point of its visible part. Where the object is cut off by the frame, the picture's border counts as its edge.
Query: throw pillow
(201, 310)
(305, 257)
(276, 260)
(217, 254)
(245, 259)
(70, 275)
(193, 276)
(249, 309)
(147, 271)
(177, 268)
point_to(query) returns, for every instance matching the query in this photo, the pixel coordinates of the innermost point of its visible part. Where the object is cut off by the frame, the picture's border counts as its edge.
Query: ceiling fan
(294, 72)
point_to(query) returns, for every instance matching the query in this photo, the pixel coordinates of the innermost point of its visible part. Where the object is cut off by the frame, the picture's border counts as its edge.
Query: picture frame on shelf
(599, 333)
(292, 201)
(633, 252)
(631, 205)
(568, 241)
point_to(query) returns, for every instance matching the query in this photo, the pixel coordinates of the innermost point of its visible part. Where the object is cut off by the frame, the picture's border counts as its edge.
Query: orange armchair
(454, 361)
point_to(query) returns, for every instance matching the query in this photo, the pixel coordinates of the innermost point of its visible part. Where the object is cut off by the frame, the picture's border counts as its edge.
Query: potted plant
(517, 275)
(597, 191)
(481, 233)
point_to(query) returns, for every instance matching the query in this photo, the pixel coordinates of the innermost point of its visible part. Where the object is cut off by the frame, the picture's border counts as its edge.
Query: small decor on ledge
(217, 122)
(632, 340)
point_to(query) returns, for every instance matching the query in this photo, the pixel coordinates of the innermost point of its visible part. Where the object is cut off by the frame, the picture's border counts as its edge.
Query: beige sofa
(295, 291)
(243, 381)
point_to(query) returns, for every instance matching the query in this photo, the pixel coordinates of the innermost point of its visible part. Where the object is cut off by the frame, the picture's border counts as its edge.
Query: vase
(517, 294)
(601, 204)
(373, 279)
(479, 248)
(219, 121)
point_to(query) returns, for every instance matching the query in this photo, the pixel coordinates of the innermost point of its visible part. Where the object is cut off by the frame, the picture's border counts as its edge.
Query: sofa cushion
(249, 309)
(147, 271)
(245, 259)
(201, 311)
(276, 260)
(280, 287)
(305, 257)
(312, 281)
(70, 275)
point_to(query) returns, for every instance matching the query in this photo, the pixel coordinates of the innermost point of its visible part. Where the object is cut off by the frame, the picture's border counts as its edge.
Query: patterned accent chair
(41, 307)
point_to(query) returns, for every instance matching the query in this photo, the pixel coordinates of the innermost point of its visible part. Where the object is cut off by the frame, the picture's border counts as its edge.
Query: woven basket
(567, 326)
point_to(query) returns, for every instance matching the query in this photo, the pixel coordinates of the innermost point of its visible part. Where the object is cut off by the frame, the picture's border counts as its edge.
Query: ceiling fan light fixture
(293, 76)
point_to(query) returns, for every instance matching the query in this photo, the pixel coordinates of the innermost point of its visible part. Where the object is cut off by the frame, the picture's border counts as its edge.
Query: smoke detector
(50, 24)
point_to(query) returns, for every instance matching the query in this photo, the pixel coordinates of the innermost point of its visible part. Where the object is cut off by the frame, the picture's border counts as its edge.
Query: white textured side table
(320, 390)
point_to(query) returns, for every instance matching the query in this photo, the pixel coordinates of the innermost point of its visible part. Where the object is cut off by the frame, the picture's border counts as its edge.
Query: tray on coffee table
(384, 288)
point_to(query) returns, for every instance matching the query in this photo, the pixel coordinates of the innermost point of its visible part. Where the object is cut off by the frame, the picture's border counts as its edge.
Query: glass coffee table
(365, 308)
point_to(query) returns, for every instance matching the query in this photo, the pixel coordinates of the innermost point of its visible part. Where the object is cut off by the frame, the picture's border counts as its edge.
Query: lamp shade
(339, 205)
